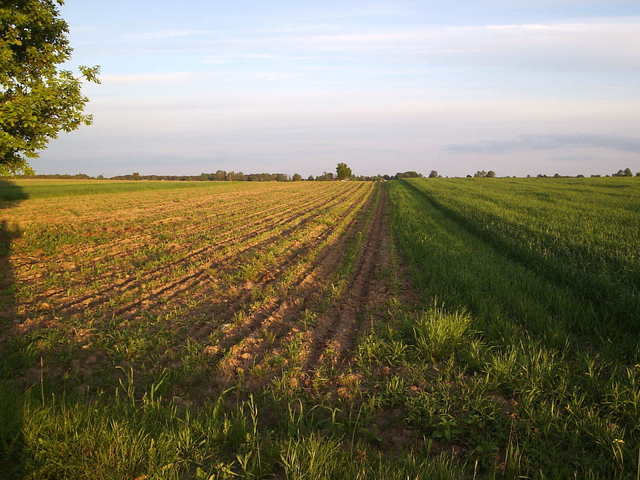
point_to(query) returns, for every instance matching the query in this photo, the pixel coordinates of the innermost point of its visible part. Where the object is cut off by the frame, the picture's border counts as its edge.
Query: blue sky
(515, 86)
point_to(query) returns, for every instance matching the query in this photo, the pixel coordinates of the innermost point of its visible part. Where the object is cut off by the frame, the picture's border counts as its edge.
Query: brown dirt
(337, 333)
(281, 323)
(243, 340)
(189, 228)
(234, 236)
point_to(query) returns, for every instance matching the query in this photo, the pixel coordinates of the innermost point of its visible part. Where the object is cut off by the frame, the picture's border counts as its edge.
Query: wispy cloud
(240, 57)
(593, 43)
(146, 78)
(576, 45)
(163, 34)
(275, 76)
(549, 142)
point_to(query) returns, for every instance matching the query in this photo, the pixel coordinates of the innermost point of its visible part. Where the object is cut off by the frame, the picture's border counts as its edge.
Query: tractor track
(338, 332)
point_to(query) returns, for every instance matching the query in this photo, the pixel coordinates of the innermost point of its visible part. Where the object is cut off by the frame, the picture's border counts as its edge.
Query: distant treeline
(222, 175)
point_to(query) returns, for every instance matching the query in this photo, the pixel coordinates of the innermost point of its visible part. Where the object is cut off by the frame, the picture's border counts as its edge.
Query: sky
(516, 86)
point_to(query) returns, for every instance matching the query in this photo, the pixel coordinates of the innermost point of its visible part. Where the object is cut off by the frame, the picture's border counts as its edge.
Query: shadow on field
(10, 353)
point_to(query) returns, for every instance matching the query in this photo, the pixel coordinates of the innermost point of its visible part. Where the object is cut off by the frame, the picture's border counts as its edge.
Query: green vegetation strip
(519, 365)
(23, 189)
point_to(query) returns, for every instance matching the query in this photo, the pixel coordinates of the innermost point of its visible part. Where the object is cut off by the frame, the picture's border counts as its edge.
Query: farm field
(445, 328)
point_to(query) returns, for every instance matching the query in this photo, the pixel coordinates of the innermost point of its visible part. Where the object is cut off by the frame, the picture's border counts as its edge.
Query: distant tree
(556, 175)
(623, 173)
(37, 98)
(480, 174)
(637, 174)
(100, 177)
(579, 176)
(343, 171)
(469, 176)
(409, 174)
(296, 177)
(310, 178)
(528, 176)
(491, 174)
(433, 174)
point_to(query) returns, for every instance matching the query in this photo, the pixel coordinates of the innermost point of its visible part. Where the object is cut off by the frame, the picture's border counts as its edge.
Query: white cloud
(594, 44)
(580, 44)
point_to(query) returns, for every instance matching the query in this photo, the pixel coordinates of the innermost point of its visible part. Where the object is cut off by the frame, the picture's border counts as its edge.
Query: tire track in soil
(280, 320)
(133, 283)
(338, 334)
(201, 275)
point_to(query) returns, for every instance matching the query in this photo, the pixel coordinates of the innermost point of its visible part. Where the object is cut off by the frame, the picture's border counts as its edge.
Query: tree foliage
(409, 174)
(624, 173)
(343, 171)
(37, 99)
(433, 174)
(485, 174)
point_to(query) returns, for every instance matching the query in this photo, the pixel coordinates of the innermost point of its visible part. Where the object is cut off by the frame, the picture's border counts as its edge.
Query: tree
(433, 174)
(491, 174)
(409, 174)
(343, 171)
(310, 178)
(624, 173)
(296, 177)
(37, 99)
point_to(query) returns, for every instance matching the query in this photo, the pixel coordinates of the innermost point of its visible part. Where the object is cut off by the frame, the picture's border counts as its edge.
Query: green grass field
(21, 189)
(416, 329)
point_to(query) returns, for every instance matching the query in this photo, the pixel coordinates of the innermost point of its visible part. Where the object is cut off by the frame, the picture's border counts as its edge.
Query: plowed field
(310, 330)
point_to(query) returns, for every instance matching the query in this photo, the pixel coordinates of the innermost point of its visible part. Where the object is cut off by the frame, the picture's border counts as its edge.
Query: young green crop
(540, 362)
